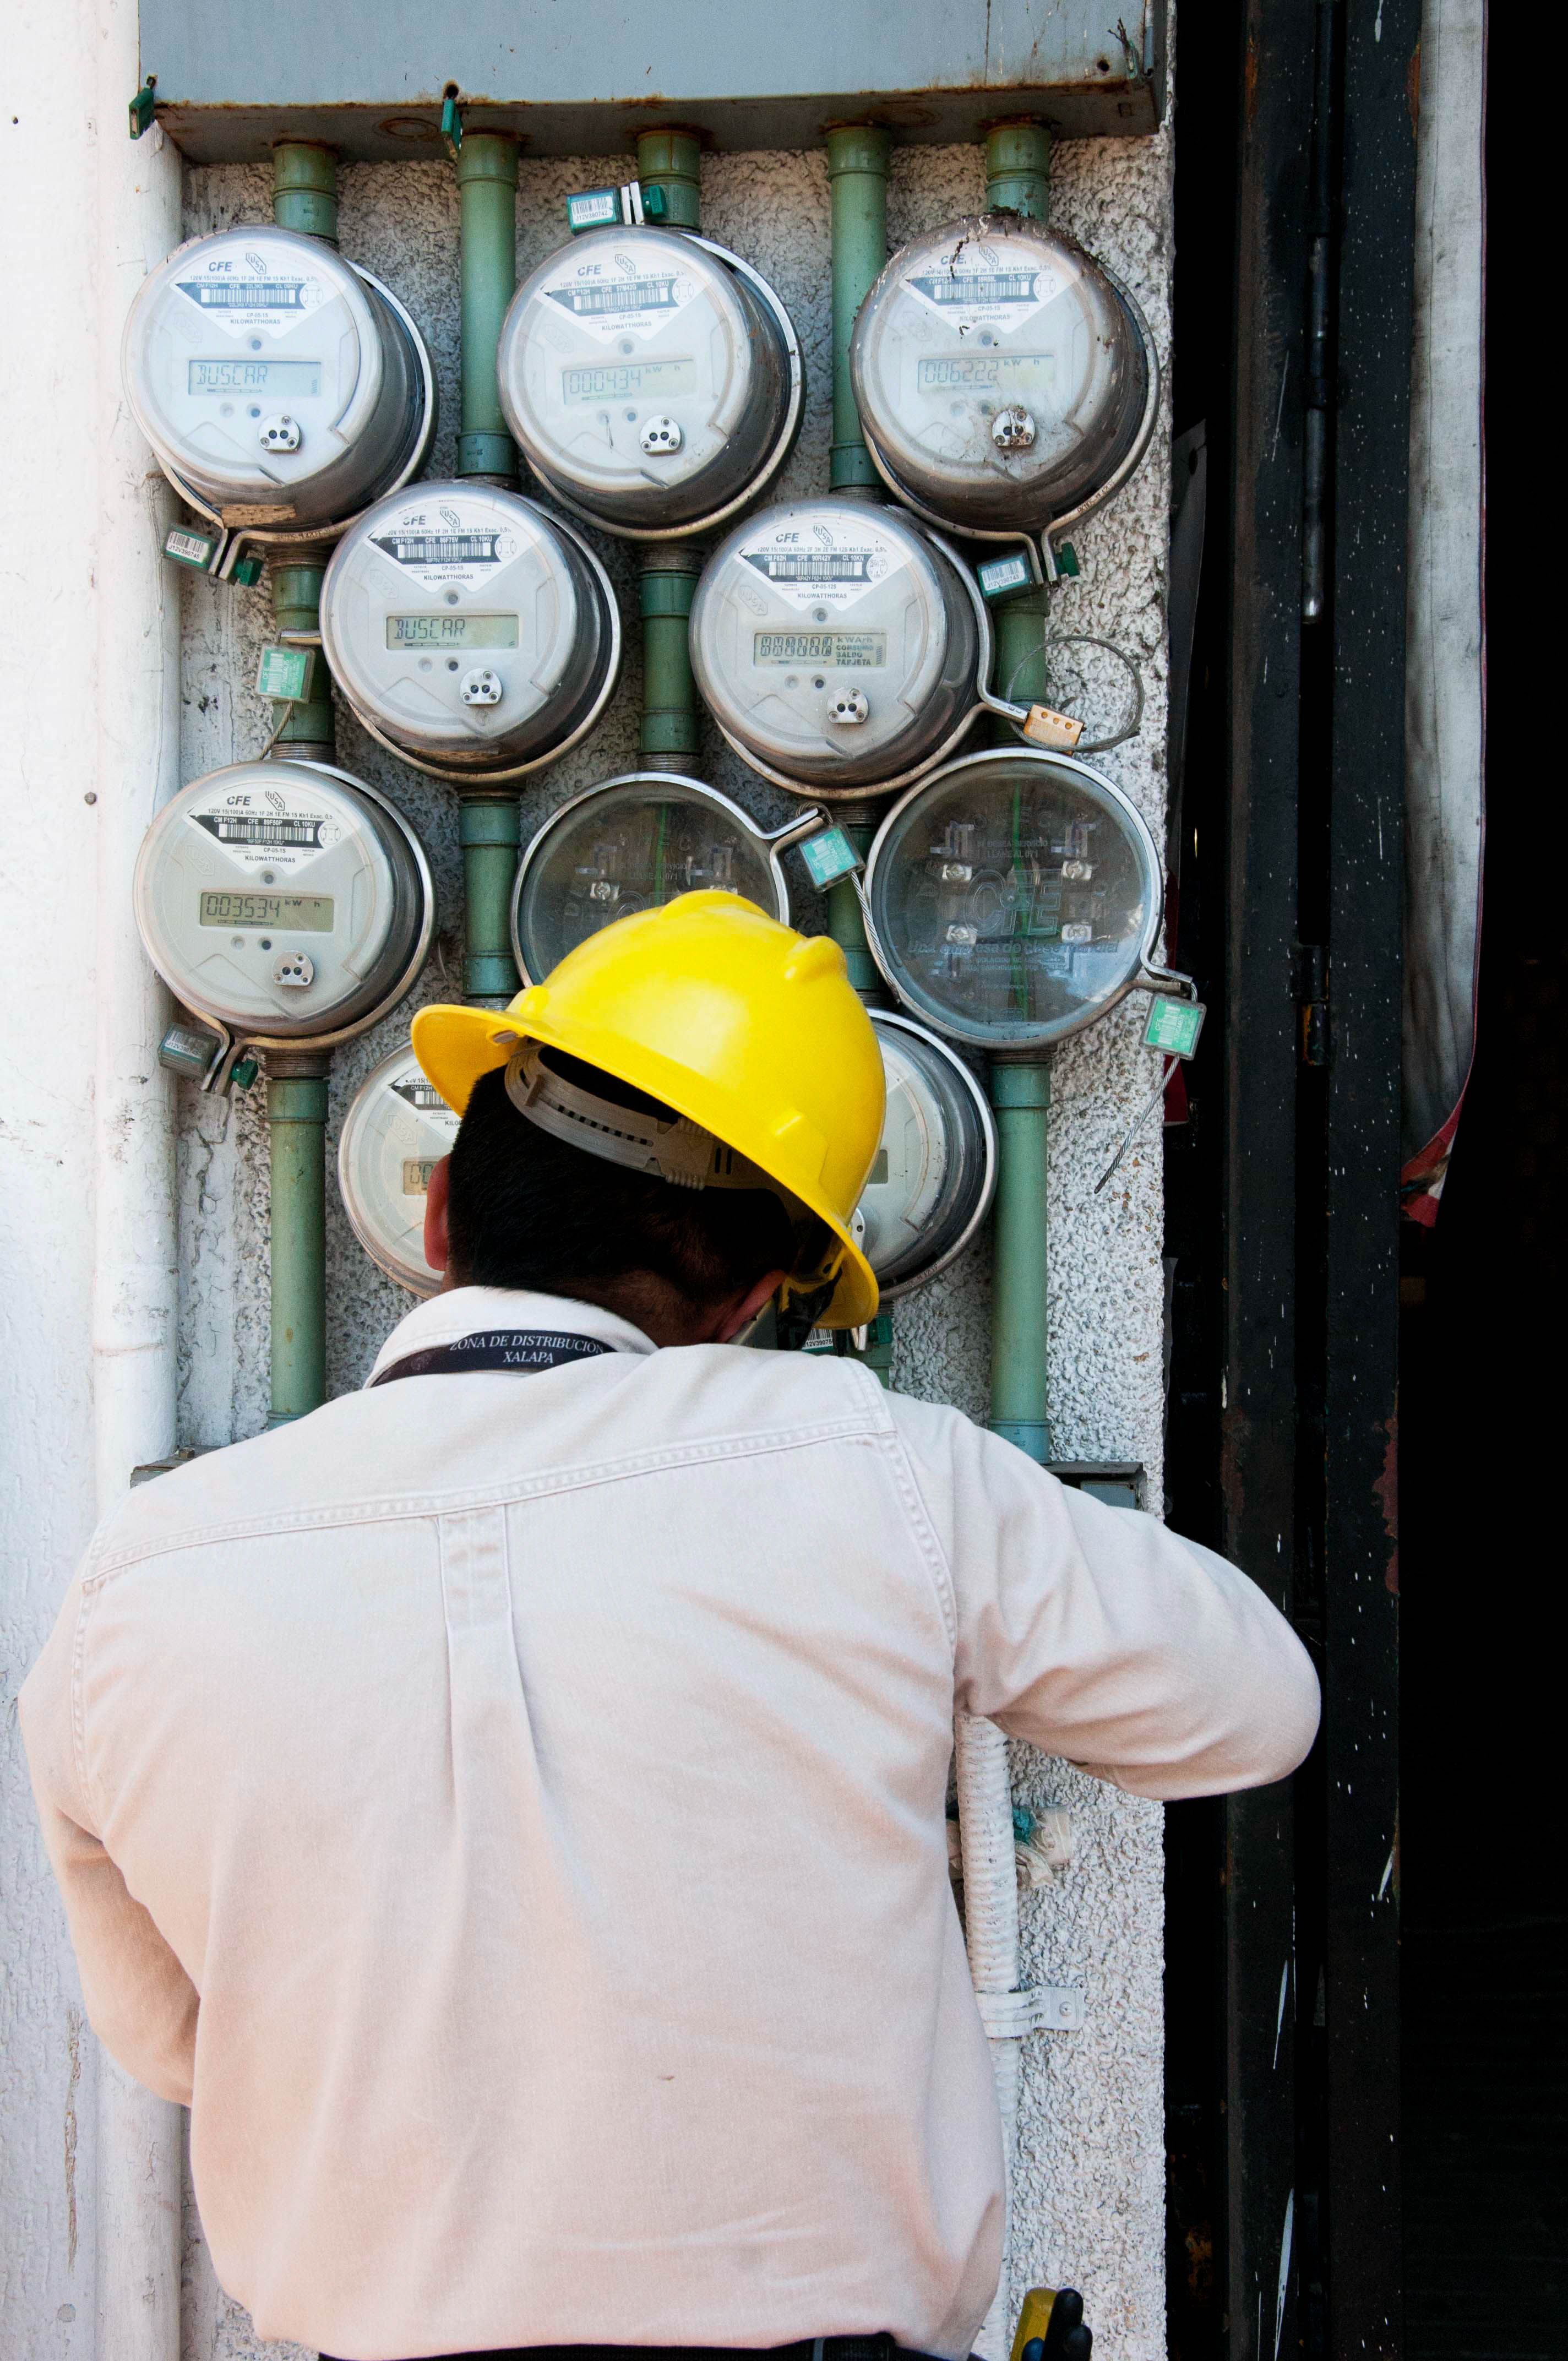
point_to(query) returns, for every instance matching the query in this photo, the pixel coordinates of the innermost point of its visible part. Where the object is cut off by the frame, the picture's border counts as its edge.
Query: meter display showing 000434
(649, 378)
(1014, 897)
(1004, 376)
(471, 634)
(273, 379)
(280, 898)
(397, 1127)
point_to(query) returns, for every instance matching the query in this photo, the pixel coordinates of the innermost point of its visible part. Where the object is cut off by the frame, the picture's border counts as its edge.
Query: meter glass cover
(1013, 898)
(931, 1178)
(992, 314)
(397, 1130)
(449, 630)
(300, 914)
(634, 846)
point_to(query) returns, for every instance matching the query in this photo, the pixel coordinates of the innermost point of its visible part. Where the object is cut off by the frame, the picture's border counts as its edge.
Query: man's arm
(140, 2003)
(1097, 1635)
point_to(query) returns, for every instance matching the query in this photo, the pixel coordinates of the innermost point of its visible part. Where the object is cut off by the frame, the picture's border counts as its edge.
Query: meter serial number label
(253, 377)
(847, 648)
(452, 630)
(303, 913)
(417, 1171)
(1002, 372)
(617, 378)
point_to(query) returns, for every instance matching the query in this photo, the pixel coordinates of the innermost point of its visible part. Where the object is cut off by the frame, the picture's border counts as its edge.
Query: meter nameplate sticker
(396, 1131)
(613, 294)
(451, 541)
(239, 292)
(812, 565)
(974, 284)
(1174, 1026)
(268, 828)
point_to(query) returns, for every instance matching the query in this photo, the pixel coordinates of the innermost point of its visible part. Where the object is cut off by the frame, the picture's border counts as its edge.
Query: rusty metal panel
(580, 80)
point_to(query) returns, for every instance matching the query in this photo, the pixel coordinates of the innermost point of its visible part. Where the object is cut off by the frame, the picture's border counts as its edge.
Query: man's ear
(437, 1243)
(740, 1313)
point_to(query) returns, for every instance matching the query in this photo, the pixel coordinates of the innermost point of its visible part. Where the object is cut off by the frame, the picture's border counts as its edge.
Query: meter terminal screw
(279, 434)
(661, 437)
(1012, 429)
(481, 687)
(296, 970)
(848, 707)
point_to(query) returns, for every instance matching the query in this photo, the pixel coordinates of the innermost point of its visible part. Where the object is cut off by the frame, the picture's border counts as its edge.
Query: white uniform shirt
(509, 1811)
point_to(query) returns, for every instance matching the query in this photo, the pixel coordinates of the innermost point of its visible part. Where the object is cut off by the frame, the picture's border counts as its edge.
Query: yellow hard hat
(745, 1027)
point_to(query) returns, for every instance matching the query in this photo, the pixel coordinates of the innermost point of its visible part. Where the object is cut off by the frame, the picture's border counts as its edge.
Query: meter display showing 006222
(996, 372)
(253, 377)
(452, 630)
(864, 649)
(616, 379)
(304, 914)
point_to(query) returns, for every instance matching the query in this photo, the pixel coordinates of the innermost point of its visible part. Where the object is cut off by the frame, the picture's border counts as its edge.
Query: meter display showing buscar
(653, 379)
(472, 634)
(276, 383)
(397, 1130)
(1014, 897)
(633, 844)
(287, 900)
(836, 646)
(934, 1173)
(1006, 380)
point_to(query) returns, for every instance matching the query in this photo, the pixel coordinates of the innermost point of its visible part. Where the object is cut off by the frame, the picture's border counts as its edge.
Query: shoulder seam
(925, 1531)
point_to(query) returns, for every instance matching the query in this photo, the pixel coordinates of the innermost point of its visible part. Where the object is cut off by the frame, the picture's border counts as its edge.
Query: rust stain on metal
(1388, 1490)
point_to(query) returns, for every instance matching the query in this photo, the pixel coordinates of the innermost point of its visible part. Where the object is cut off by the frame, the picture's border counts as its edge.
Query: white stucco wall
(1090, 2187)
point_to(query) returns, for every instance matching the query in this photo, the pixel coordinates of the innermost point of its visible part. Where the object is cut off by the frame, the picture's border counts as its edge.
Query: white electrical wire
(991, 1936)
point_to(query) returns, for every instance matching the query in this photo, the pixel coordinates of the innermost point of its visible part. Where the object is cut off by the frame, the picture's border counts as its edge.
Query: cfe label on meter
(470, 632)
(278, 383)
(283, 899)
(651, 378)
(397, 1130)
(1004, 376)
(835, 644)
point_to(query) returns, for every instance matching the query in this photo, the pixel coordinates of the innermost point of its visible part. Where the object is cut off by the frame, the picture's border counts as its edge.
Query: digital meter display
(1008, 372)
(305, 914)
(856, 648)
(1014, 897)
(614, 381)
(254, 377)
(396, 1131)
(452, 630)
(633, 844)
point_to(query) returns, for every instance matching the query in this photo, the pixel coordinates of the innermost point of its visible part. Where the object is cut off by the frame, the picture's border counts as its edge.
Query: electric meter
(838, 646)
(397, 1128)
(287, 900)
(279, 386)
(1004, 379)
(1014, 897)
(633, 844)
(934, 1173)
(472, 634)
(653, 379)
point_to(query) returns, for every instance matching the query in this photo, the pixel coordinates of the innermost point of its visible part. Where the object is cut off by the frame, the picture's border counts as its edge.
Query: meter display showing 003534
(305, 914)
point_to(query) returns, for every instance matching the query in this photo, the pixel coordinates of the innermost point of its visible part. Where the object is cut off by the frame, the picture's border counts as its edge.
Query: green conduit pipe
(1021, 1099)
(671, 161)
(846, 919)
(487, 187)
(304, 189)
(857, 155)
(296, 1120)
(1018, 169)
(308, 730)
(669, 741)
(1017, 180)
(491, 830)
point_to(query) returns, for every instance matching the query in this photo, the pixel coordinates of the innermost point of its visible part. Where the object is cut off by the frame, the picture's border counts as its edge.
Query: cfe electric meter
(286, 900)
(1014, 897)
(838, 646)
(397, 1127)
(472, 634)
(280, 387)
(653, 379)
(934, 1173)
(632, 844)
(1005, 381)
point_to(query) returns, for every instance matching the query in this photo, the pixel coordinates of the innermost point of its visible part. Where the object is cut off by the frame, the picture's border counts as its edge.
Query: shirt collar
(444, 1319)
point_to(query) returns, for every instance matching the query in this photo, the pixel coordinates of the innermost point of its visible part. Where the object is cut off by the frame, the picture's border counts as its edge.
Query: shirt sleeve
(140, 2002)
(1099, 1635)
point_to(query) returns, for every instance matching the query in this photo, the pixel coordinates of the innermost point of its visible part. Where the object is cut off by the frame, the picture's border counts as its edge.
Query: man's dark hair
(527, 1210)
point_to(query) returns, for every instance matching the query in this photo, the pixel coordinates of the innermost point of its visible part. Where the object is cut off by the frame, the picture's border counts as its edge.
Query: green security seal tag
(284, 674)
(1000, 577)
(1174, 1027)
(187, 547)
(828, 857)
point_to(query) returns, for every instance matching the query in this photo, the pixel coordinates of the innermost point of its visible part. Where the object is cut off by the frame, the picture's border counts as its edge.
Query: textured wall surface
(1090, 2188)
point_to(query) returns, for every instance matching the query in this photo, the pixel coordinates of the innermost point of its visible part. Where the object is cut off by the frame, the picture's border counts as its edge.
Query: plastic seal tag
(828, 857)
(594, 209)
(1000, 577)
(1174, 1027)
(247, 572)
(187, 548)
(285, 675)
(1045, 727)
(142, 105)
